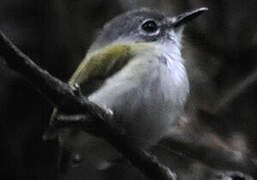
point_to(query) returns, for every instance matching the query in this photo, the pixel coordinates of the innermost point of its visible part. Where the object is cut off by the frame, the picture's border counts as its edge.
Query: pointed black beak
(187, 16)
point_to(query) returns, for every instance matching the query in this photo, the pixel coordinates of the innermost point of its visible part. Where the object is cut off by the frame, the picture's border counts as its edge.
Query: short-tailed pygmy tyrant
(135, 68)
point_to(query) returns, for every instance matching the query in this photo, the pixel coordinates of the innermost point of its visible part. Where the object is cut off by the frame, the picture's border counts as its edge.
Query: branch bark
(65, 98)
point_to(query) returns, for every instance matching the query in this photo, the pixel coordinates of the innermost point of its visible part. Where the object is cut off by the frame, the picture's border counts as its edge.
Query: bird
(134, 67)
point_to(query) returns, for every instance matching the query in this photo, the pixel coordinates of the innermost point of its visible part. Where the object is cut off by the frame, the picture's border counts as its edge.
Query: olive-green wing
(95, 69)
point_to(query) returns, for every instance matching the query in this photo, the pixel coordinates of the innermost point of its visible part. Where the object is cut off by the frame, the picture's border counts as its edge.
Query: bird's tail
(52, 132)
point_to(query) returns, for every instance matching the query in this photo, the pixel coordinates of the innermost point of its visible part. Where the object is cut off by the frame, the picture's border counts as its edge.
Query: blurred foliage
(220, 52)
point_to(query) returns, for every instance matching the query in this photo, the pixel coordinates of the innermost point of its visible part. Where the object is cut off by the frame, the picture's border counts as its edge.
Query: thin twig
(237, 90)
(215, 157)
(68, 101)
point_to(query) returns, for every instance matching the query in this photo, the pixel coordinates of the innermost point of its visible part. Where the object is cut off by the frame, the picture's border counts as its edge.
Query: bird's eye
(150, 26)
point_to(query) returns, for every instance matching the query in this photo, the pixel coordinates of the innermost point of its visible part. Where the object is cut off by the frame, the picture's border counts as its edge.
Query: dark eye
(150, 26)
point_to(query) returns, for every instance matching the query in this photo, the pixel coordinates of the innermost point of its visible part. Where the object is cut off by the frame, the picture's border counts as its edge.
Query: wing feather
(95, 69)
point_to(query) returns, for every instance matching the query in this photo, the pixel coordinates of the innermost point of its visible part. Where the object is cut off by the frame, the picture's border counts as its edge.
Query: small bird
(135, 68)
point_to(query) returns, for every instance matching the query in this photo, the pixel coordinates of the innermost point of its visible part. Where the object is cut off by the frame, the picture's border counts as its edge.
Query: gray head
(144, 25)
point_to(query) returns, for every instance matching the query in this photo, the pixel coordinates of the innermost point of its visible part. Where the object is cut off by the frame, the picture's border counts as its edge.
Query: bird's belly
(145, 109)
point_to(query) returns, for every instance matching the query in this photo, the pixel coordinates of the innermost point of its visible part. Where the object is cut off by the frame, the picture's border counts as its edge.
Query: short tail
(50, 134)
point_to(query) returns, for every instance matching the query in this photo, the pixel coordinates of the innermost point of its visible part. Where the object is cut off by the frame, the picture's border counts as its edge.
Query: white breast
(146, 97)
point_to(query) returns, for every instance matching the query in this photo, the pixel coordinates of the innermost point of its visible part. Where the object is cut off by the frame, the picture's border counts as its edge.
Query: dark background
(220, 50)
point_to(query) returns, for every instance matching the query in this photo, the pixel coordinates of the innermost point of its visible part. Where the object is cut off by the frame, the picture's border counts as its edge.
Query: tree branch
(65, 98)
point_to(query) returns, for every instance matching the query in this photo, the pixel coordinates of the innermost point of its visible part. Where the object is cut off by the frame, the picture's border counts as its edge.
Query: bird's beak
(186, 17)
